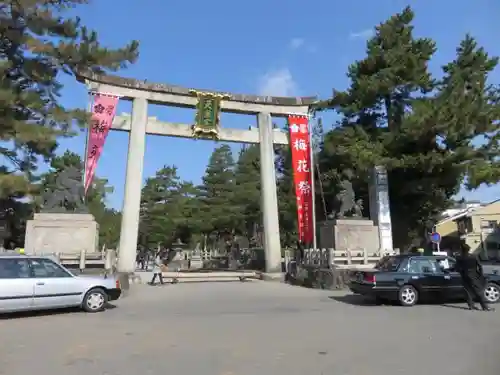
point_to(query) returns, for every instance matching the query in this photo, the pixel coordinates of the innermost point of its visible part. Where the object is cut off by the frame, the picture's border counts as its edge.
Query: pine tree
(14, 215)
(217, 194)
(188, 225)
(109, 229)
(468, 111)
(248, 192)
(160, 208)
(39, 42)
(396, 114)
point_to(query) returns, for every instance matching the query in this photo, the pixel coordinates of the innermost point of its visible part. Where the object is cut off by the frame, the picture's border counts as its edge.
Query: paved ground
(251, 328)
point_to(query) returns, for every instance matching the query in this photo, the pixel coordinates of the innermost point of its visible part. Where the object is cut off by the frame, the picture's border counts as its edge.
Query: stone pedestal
(349, 234)
(66, 233)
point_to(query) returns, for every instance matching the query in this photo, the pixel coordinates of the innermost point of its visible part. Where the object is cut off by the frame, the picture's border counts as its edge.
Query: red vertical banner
(302, 177)
(103, 113)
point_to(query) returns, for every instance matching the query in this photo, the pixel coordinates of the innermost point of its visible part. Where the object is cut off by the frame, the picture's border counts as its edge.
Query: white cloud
(363, 34)
(277, 83)
(296, 43)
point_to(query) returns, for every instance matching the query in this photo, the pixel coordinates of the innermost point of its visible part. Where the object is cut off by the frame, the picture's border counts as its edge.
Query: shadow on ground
(456, 307)
(38, 313)
(358, 300)
(354, 299)
(166, 283)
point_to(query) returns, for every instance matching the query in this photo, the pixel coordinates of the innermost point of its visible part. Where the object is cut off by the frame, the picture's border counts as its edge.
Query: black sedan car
(412, 278)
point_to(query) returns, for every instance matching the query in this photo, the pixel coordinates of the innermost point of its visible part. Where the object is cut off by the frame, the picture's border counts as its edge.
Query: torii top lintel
(129, 88)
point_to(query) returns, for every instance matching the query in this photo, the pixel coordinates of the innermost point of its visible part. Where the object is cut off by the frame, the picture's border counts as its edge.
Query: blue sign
(435, 237)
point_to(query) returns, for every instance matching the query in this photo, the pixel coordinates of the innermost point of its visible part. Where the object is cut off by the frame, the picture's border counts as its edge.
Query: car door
(54, 286)
(426, 275)
(16, 285)
(452, 279)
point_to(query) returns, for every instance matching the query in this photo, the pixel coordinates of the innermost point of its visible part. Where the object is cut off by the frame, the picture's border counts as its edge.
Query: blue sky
(274, 47)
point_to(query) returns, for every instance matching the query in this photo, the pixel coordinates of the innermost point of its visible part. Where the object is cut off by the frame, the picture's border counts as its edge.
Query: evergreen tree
(396, 114)
(109, 229)
(161, 210)
(248, 192)
(39, 42)
(188, 225)
(468, 112)
(218, 211)
(14, 215)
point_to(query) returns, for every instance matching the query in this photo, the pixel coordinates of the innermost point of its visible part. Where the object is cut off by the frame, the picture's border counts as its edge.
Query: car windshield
(388, 263)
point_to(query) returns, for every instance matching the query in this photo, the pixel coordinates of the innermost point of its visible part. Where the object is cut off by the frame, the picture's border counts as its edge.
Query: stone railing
(251, 259)
(205, 255)
(327, 268)
(330, 257)
(105, 259)
(324, 258)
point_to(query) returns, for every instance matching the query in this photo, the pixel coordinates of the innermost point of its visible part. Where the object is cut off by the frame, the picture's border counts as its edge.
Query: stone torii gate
(139, 124)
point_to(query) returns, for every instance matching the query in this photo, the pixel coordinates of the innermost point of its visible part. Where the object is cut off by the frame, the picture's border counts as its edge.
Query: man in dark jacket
(473, 279)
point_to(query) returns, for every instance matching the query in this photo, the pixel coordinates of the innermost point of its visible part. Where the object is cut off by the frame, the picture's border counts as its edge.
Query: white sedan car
(39, 283)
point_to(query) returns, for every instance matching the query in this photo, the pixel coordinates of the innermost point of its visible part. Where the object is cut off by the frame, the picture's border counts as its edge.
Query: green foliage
(13, 217)
(227, 203)
(247, 194)
(109, 229)
(39, 42)
(426, 131)
(217, 194)
(166, 209)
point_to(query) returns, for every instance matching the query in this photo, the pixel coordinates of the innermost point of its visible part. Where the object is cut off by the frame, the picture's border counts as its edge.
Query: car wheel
(95, 300)
(408, 296)
(492, 293)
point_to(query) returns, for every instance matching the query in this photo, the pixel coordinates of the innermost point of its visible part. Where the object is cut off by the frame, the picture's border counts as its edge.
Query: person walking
(157, 268)
(138, 259)
(473, 279)
(145, 264)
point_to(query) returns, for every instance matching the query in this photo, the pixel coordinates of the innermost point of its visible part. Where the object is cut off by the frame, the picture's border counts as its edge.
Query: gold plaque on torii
(207, 120)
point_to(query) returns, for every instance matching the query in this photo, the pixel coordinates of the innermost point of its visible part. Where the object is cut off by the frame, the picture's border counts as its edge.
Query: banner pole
(313, 184)
(87, 135)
